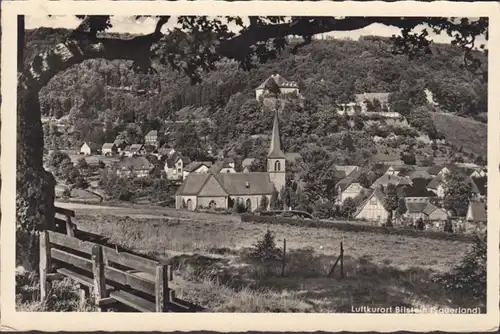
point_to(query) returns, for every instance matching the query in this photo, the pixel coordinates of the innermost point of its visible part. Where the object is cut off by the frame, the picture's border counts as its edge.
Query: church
(220, 190)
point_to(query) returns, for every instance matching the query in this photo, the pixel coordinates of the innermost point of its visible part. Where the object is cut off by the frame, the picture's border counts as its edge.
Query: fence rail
(108, 275)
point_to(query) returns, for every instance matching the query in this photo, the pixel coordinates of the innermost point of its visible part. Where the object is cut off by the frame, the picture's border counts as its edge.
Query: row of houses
(421, 187)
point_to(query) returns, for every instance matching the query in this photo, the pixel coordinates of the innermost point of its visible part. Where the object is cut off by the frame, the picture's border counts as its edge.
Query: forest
(103, 100)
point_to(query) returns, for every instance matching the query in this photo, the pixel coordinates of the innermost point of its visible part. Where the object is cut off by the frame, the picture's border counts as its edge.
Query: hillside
(105, 99)
(469, 135)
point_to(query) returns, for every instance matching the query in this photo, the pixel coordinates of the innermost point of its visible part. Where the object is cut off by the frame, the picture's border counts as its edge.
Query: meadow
(210, 256)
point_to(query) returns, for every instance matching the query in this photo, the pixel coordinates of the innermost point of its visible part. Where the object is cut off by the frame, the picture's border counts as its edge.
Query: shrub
(265, 249)
(469, 276)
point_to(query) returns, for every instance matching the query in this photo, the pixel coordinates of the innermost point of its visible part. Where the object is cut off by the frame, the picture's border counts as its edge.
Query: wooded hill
(105, 99)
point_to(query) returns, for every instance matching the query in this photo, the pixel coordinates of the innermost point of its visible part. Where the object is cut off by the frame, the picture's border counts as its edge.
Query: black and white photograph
(252, 164)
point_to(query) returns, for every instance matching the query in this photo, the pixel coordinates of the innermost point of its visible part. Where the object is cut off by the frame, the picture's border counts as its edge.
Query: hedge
(357, 227)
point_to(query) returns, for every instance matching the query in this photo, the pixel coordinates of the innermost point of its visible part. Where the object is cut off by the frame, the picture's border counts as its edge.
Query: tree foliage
(457, 193)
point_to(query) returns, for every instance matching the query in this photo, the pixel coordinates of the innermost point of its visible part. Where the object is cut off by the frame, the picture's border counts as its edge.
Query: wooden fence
(107, 275)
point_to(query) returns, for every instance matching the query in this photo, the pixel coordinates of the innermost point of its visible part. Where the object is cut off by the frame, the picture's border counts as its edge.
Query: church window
(277, 166)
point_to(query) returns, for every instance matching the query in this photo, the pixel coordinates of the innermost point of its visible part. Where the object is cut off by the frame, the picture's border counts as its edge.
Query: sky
(128, 24)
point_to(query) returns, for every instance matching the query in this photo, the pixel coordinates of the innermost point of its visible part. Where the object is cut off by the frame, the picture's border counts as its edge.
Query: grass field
(210, 256)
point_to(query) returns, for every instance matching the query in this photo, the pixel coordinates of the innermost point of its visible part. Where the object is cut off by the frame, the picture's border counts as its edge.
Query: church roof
(235, 184)
(275, 147)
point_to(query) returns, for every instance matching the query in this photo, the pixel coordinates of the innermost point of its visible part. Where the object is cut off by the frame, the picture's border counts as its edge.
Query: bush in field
(265, 249)
(468, 278)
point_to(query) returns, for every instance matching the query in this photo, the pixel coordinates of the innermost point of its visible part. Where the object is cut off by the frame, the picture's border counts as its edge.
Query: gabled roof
(108, 146)
(382, 97)
(430, 208)
(247, 162)
(135, 162)
(193, 166)
(92, 146)
(416, 207)
(255, 183)
(435, 182)
(478, 211)
(481, 184)
(377, 193)
(136, 147)
(219, 165)
(119, 142)
(278, 80)
(344, 183)
(416, 173)
(235, 184)
(152, 133)
(385, 180)
(171, 160)
(418, 189)
(434, 170)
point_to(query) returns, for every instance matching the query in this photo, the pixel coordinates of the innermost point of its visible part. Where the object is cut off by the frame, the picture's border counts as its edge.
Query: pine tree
(265, 249)
(275, 202)
(264, 203)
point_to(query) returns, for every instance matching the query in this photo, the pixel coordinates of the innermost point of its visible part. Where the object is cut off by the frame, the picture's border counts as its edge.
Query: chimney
(247, 185)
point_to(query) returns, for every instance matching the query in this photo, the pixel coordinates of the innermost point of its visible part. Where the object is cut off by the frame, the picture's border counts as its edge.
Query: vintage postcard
(250, 166)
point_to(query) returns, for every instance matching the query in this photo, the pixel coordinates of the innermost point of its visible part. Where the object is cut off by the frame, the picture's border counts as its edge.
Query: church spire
(275, 147)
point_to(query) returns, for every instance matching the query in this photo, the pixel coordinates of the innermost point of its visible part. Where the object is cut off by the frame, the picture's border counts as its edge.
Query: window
(373, 201)
(179, 170)
(277, 166)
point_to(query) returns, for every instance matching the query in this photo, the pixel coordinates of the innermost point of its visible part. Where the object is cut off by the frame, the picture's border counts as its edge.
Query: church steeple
(275, 147)
(276, 159)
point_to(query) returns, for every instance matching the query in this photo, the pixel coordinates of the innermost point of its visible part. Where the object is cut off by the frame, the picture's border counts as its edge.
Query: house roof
(152, 133)
(434, 170)
(275, 147)
(418, 189)
(171, 160)
(235, 184)
(135, 162)
(435, 182)
(92, 146)
(481, 184)
(416, 173)
(386, 179)
(219, 165)
(197, 164)
(108, 146)
(344, 183)
(478, 211)
(382, 97)
(416, 207)
(377, 193)
(430, 208)
(279, 80)
(136, 147)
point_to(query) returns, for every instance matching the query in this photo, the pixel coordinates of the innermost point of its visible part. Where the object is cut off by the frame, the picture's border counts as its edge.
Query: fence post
(342, 259)
(161, 288)
(98, 271)
(44, 264)
(283, 260)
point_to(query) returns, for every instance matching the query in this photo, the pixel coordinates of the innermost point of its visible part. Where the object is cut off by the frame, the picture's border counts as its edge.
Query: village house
(109, 149)
(152, 138)
(246, 163)
(426, 211)
(373, 208)
(276, 83)
(134, 150)
(197, 167)
(165, 150)
(174, 166)
(347, 188)
(418, 192)
(221, 190)
(362, 104)
(89, 149)
(136, 166)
